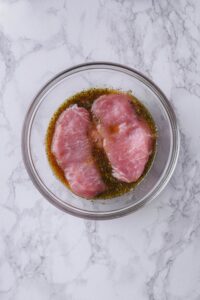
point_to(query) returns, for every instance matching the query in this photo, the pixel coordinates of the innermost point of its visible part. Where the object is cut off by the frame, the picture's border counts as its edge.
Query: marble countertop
(152, 254)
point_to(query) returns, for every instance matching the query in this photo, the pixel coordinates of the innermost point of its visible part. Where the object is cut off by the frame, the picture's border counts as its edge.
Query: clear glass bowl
(64, 85)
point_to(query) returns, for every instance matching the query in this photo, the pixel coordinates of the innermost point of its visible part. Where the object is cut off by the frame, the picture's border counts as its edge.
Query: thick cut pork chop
(127, 140)
(72, 150)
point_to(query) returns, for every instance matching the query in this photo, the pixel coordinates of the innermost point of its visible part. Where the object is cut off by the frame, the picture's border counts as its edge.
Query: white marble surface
(153, 254)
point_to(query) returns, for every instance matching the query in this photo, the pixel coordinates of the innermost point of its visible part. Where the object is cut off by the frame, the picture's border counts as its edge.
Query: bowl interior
(64, 86)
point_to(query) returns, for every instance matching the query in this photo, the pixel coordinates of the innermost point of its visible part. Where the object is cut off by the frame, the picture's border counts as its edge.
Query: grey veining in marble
(153, 254)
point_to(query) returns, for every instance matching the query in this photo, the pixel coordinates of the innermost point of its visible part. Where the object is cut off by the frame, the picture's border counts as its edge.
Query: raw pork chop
(72, 150)
(127, 140)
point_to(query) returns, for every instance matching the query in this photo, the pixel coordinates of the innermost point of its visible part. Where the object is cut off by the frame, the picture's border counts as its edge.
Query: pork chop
(127, 139)
(73, 152)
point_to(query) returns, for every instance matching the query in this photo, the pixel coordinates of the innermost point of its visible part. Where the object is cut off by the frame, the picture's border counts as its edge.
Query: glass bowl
(64, 85)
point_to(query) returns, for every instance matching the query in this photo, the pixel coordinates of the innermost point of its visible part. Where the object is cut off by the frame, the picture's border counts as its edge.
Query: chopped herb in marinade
(85, 99)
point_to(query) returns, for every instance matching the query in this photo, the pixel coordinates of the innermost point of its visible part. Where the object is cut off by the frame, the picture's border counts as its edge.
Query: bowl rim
(26, 153)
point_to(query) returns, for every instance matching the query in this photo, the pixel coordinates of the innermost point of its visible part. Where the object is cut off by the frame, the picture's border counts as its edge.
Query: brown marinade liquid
(85, 99)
